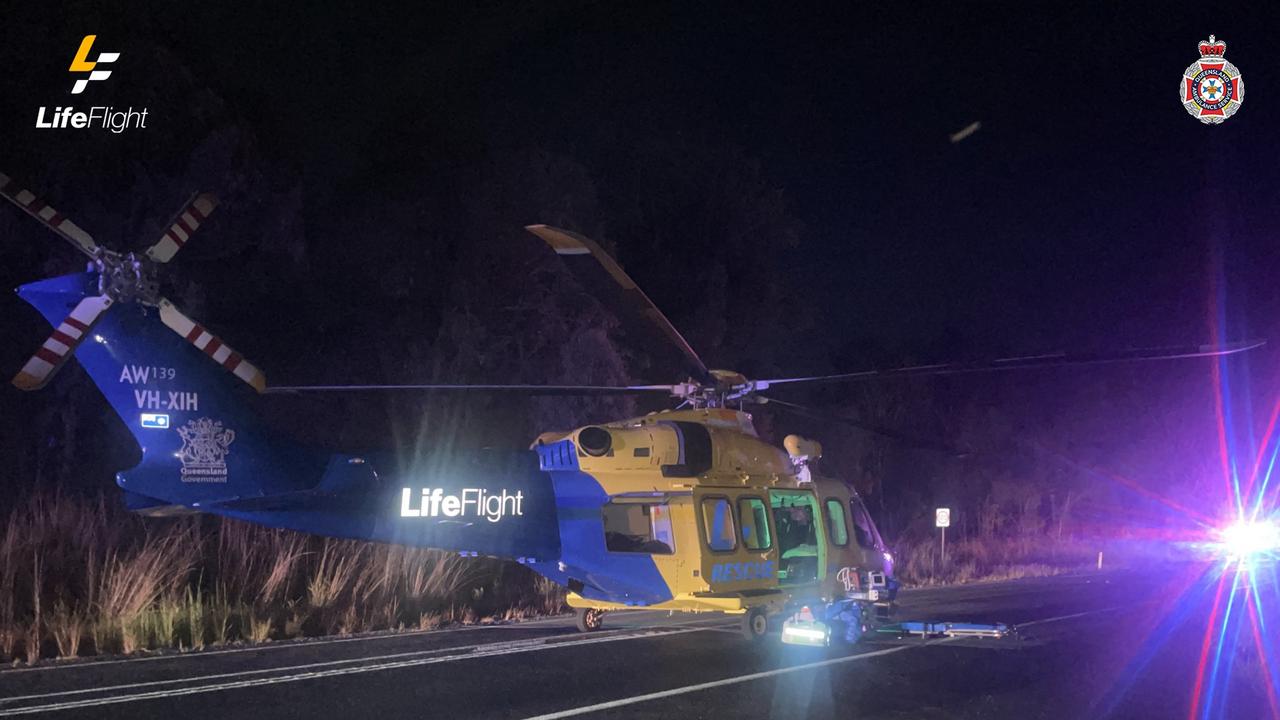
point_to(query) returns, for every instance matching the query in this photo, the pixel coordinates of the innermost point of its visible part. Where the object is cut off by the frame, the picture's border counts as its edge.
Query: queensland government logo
(85, 70)
(1212, 89)
(205, 444)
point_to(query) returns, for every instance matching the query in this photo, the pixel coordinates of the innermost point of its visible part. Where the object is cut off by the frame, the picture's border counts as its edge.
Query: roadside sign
(942, 517)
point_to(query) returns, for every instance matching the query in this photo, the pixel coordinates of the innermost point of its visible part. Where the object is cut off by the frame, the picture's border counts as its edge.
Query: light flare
(1247, 539)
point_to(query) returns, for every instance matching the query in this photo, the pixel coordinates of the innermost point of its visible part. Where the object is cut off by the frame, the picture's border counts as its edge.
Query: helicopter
(686, 509)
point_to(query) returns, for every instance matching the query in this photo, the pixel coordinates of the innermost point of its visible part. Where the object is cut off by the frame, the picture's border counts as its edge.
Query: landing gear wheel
(589, 619)
(755, 624)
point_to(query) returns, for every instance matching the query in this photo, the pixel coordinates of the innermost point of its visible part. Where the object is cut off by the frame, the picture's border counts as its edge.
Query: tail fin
(205, 448)
(201, 440)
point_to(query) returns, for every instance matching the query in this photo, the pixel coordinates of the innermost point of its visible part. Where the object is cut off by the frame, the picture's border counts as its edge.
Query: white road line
(460, 652)
(623, 702)
(90, 663)
(499, 649)
(1074, 615)
(716, 683)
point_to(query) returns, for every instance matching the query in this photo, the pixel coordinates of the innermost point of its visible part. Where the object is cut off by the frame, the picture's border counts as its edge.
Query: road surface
(1080, 654)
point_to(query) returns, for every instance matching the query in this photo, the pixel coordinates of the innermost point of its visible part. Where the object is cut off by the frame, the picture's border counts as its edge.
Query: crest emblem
(1212, 89)
(205, 445)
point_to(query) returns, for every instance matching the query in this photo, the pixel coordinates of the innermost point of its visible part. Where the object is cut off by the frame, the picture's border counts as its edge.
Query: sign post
(942, 519)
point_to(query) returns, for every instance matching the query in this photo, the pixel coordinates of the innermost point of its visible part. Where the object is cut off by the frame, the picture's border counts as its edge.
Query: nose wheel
(589, 619)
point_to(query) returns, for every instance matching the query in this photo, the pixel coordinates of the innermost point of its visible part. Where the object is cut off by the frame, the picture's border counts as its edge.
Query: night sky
(1088, 211)
(1084, 210)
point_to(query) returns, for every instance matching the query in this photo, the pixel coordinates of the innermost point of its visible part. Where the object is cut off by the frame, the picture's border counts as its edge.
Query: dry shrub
(257, 564)
(132, 585)
(990, 559)
(68, 628)
(550, 597)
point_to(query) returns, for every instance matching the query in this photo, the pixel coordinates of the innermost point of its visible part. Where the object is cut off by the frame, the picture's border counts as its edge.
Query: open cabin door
(802, 536)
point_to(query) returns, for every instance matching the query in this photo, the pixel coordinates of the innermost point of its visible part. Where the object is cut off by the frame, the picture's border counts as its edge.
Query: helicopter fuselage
(699, 514)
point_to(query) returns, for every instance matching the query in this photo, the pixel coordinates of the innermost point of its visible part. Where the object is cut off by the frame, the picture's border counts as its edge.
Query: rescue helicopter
(686, 509)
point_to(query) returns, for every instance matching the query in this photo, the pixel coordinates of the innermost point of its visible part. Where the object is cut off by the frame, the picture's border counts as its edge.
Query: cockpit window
(862, 528)
(638, 528)
(717, 522)
(836, 523)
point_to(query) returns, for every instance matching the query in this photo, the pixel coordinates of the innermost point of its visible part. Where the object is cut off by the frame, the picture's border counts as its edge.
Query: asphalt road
(1080, 642)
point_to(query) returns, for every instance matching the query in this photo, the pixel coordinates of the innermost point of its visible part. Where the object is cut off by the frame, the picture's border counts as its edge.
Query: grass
(83, 577)
(991, 558)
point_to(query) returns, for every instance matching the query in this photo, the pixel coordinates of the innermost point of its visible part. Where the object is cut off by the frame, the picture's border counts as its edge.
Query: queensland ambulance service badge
(1212, 89)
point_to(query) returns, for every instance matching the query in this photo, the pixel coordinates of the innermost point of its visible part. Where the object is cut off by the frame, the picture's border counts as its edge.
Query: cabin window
(755, 524)
(863, 530)
(638, 528)
(836, 524)
(717, 523)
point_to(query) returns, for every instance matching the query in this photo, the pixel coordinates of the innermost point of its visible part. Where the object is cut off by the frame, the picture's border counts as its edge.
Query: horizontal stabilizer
(151, 507)
(346, 475)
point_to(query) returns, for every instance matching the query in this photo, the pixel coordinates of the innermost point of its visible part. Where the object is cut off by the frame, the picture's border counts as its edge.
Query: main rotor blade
(1028, 361)
(50, 218)
(518, 389)
(62, 344)
(895, 435)
(622, 295)
(209, 343)
(185, 222)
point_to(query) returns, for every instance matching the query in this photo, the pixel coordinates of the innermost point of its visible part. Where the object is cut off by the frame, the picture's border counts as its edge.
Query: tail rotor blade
(62, 344)
(208, 343)
(50, 218)
(183, 226)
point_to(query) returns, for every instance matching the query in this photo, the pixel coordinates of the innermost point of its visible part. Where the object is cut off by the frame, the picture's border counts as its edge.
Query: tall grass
(990, 558)
(84, 577)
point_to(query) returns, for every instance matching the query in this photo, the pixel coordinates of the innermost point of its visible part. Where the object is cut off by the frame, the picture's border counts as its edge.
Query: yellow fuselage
(736, 525)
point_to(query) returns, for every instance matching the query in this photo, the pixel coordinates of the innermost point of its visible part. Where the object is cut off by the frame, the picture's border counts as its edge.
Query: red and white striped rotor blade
(52, 219)
(197, 335)
(184, 224)
(62, 344)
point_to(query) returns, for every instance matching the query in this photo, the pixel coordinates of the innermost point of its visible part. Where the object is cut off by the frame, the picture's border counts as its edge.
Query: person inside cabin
(799, 542)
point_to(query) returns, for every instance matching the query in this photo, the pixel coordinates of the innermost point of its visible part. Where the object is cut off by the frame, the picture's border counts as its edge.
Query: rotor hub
(722, 388)
(126, 277)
